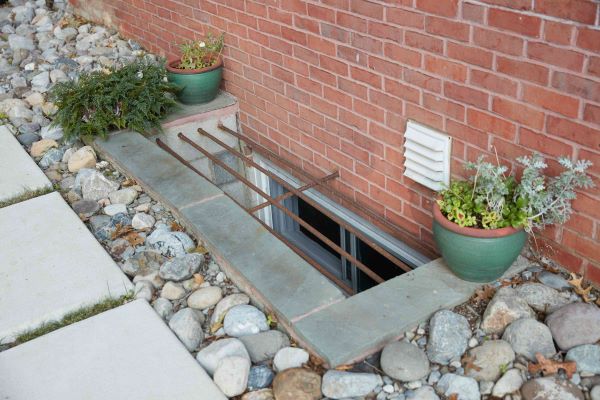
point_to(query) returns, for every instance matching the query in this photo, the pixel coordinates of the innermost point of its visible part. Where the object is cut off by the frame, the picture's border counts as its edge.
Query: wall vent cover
(427, 156)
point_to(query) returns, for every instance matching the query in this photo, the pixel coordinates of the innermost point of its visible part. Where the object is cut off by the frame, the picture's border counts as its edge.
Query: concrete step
(126, 353)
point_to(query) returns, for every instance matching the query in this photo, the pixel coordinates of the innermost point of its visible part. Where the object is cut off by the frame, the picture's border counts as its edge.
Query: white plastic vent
(427, 156)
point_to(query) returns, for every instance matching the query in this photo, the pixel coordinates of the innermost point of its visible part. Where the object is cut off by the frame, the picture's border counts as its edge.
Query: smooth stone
(123, 196)
(170, 244)
(142, 221)
(187, 325)
(210, 356)
(297, 384)
(404, 361)
(587, 357)
(528, 336)
(540, 297)
(85, 207)
(505, 307)
(261, 376)
(36, 99)
(26, 139)
(264, 345)
(57, 75)
(114, 209)
(424, 393)
(595, 393)
(575, 324)
(205, 297)
(231, 376)
(485, 387)
(341, 384)
(289, 357)
(163, 307)
(226, 304)
(181, 268)
(172, 291)
(40, 147)
(263, 394)
(51, 157)
(449, 334)
(121, 248)
(510, 382)
(144, 290)
(152, 277)
(244, 320)
(95, 186)
(85, 157)
(143, 263)
(489, 358)
(466, 388)
(17, 42)
(549, 388)
(41, 81)
(555, 281)
(52, 132)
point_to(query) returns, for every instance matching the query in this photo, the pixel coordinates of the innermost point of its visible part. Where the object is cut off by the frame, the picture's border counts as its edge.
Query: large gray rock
(297, 384)
(181, 268)
(505, 307)
(85, 208)
(244, 320)
(595, 393)
(541, 297)
(575, 324)
(550, 389)
(527, 337)
(231, 375)
(226, 304)
(449, 335)
(587, 357)
(17, 42)
(404, 361)
(170, 244)
(489, 358)
(510, 382)
(210, 356)
(341, 384)
(143, 263)
(289, 357)
(264, 345)
(163, 307)
(466, 388)
(95, 186)
(187, 325)
(51, 132)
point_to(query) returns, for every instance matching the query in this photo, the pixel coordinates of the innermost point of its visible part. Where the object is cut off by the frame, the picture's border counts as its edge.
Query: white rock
(114, 209)
(172, 291)
(505, 307)
(94, 185)
(123, 196)
(57, 75)
(17, 42)
(541, 297)
(289, 357)
(187, 325)
(144, 290)
(36, 99)
(231, 376)
(425, 393)
(466, 388)
(595, 393)
(85, 157)
(205, 297)
(41, 80)
(341, 384)
(210, 356)
(142, 221)
(244, 320)
(510, 382)
(163, 307)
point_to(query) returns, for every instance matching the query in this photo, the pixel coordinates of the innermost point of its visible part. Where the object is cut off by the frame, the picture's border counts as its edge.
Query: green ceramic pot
(197, 85)
(476, 255)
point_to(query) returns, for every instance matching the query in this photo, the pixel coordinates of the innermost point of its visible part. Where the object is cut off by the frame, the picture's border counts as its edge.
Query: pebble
(95, 186)
(170, 244)
(554, 281)
(51, 157)
(205, 297)
(242, 320)
(342, 384)
(587, 357)
(424, 393)
(187, 325)
(289, 357)
(489, 358)
(163, 307)
(85, 157)
(449, 334)
(260, 377)
(505, 307)
(575, 324)
(466, 388)
(540, 297)
(51, 132)
(297, 384)
(595, 393)
(231, 375)
(264, 345)
(181, 268)
(510, 382)
(549, 388)
(142, 262)
(114, 209)
(210, 356)
(172, 291)
(263, 394)
(142, 221)
(144, 290)
(40, 147)
(123, 196)
(404, 361)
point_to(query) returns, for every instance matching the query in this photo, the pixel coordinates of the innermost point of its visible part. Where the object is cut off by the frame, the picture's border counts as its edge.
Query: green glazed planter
(476, 255)
(198, 85)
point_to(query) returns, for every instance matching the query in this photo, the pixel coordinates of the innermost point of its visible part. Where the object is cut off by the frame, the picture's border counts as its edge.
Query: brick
(518, 112)
(543, 143)
(588, 39)
(447, 28)
(294, 35)
(320, 13)
(424, 116)
(335, 33)
(352, 87)
(467, 134)
(557, 32)
(352, 55)
(385, 135)
(575, 85)
(466, 94)
(385, 101)
(352, 22)
(581, 245)
(402, 55)
(366, 77)
(493, 82)
(321, 75)
(369, 110)
(320, 45)
(448, 69)
(580, 224)
(367, 8)
(583, 11)
(422, 80)
(573, 131)
(333, 65)
(585, 154)
(594, 66)
(448, 108)
(337, 97)
(307, 24)
(507, 150)
(367, 143)
(471, 55)
(498, 41)
(367, 43)
(591, 113)
(516, 4)
(385, 31)
(404, 17)
(549, 100)
(473, 12)
(384, 67)
(447, 8)
(523, 70)
(490, 123)
(553, 55)
(514, 22)
(423, 42)
(402, 91)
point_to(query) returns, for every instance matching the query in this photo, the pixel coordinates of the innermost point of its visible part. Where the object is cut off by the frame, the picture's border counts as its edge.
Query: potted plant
(480, 225)
(199, 70)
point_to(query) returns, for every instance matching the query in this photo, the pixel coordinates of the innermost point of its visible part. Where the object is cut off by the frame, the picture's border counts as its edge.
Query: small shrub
(198, 54)
(135, 96)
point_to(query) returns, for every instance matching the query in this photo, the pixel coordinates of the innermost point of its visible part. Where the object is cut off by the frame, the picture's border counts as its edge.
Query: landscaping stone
(527, 337)
(51, 157)
(289, 357)
(244, 320)
(424, 393)
(143, 262)
(264, 394)
(142, 221)
(170, 244)
(505, 307)
(51, 132)
(540, 297)
(404, 361)
(182, 267)
(95, 186)
(449, 335)
(595, 393)
(226, 304)
(114, 209)
(86, 208)
(575, 324)
(297, 384)
(210, 356)
(205, 297)
(466, 388)
(123, 196)
(187, 325)
(550, 388)
(40, 147)
(163, 307)
(85, 157)
(144, 290)
(510, 382)
(489, 358)
(172, 291)
(231, 375)
(17, 42)
(587, 357)
(554, 281)
(27, 138)
(260, 377)
(341, 384)
(264, 345)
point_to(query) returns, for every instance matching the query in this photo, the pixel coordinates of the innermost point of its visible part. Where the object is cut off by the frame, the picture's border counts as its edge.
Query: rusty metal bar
(343, 285)
(310, 201)
(293, 216)
(284, 196)
(351, 202)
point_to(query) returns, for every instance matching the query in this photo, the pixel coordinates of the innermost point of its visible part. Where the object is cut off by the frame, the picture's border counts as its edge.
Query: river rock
(341, 384)
(40, 147)
(595, 393)
(18, 42)
(52, 132)
(424, 393)
(264, 345)
(114, 209)
(575, 324)
(85, 157)
(505, 307)
(144, 290)
(210, 356)
(587, 357)
(205, 297)
(163, 307)
(510, 382)
(554, 281)
(404, 361)
(51, 157)
(181, 268)
(244, 320)
(123, 196)
(143, 263)
(527, 337)
(289, 357)
(449, 335)
(86, 208)
(541, 297)
(297, 384)
(187, 325)
(96, 186)
(172, 291)
(261, 376)
(142, 221)
(549, 388)
(466, 388)
(170, 244)
(226, 304)
(264, 394)
(231, 375)
(489, 358)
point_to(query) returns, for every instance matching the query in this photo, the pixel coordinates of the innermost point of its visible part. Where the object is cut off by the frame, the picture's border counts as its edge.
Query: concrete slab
(362, 324)
(50, 264)
(18, 172)
(185, 112)
(126, 353)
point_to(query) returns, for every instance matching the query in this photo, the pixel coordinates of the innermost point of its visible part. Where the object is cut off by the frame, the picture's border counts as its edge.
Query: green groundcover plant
(492, 199)
(135, 96)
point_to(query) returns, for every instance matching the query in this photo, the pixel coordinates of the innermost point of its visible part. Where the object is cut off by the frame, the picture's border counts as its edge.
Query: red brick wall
(330, 84)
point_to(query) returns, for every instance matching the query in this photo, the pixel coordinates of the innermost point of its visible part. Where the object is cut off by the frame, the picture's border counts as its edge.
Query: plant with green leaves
(199, 54)
(492, 199)
(136, 96)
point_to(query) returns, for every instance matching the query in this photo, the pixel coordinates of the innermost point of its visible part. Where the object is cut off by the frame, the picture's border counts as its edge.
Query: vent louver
(427, 156)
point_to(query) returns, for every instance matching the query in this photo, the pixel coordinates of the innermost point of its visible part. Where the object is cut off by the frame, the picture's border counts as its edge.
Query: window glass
(321, 223)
